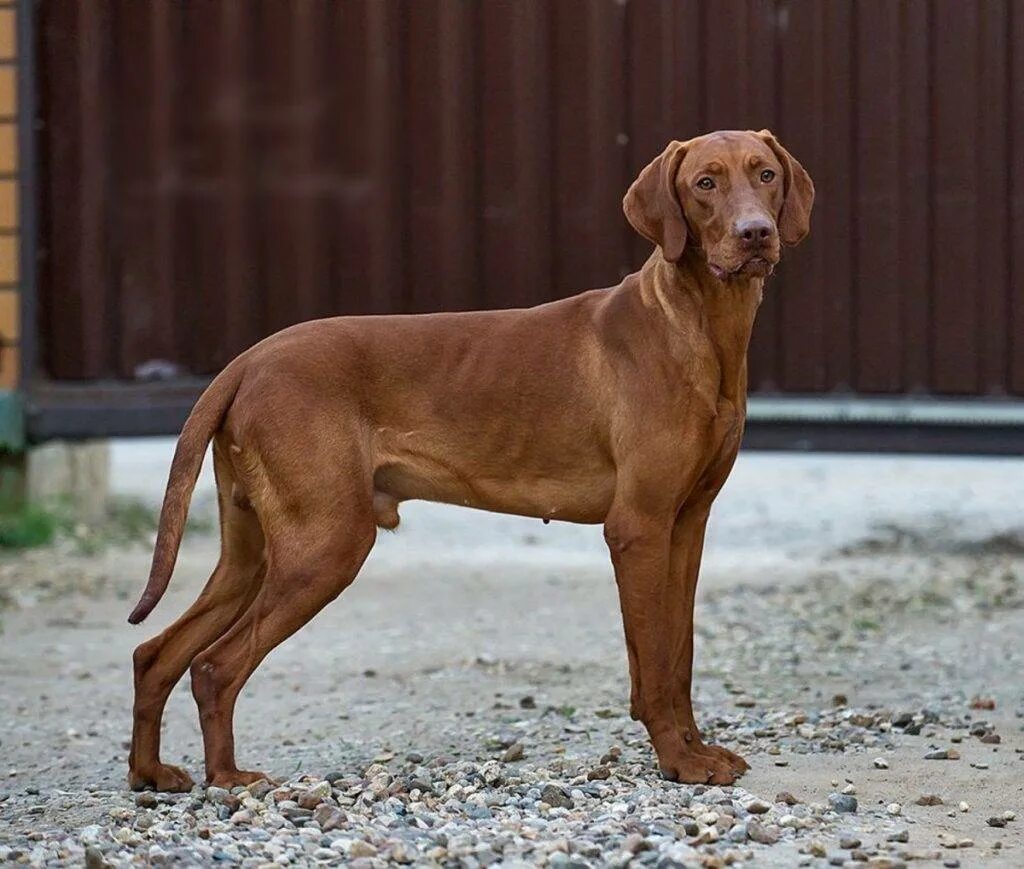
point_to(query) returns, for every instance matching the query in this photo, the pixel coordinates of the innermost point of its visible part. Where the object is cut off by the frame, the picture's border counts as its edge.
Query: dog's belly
(584, 495)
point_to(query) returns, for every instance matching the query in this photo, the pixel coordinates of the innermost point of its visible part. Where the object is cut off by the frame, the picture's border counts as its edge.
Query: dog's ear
(795, 217)
(652, 204)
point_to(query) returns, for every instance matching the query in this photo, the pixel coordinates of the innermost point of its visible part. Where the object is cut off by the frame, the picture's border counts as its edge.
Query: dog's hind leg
(320, 528)
(163, 660)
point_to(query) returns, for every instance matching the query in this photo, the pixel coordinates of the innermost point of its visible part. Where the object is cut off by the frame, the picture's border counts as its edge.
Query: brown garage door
(214, 171)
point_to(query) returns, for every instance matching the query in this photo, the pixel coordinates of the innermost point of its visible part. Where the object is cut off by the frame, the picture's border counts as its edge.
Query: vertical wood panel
(133, 281)
(914, 182)
(954, 185)
(803, 273)
(199, 264)
(515, 167)
(1015, 249)
(442, 179)
(67, 294)
(834, 192)
(608, 152)
(993, 161)
(263, 103)
(386, 134)
(350, 161)
(459, 149)
(574, 228)
(306, 121)
(94, 184)
(878, 312)
(426, 177)
(726, 52)
(237, 202)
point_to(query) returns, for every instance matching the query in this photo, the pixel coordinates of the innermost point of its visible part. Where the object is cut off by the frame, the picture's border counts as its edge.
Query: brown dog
(623, 406)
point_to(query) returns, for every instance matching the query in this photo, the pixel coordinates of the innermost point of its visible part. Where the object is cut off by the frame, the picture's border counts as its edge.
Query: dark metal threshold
(811, 423)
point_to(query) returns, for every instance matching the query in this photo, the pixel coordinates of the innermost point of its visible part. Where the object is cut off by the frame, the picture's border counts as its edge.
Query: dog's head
(737, 195)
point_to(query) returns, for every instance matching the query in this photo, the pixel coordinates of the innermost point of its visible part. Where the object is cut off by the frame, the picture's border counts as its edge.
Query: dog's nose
(754, 231)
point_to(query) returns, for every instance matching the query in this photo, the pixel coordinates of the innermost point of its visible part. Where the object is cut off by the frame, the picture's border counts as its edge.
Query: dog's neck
(725, 310)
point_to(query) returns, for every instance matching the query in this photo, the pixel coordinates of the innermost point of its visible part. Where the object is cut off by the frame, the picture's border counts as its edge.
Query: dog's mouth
(759, 265)
(755, 267)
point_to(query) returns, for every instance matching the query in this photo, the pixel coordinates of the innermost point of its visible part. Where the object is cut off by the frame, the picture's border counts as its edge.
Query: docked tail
(199, 428)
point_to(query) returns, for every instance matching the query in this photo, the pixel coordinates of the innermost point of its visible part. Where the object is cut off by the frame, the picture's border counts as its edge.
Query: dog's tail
(204, 420)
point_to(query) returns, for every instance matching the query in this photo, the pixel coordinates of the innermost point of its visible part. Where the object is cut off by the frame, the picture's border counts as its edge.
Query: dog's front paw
(162, 777)
(694, 768)
(735, 761)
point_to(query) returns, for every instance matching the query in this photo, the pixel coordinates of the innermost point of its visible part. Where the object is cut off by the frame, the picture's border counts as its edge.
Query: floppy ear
(795, 217)
(652, 205)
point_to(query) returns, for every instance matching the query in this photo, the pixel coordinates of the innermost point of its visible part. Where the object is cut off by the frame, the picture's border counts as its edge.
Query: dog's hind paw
(238, 778)
(162, 777)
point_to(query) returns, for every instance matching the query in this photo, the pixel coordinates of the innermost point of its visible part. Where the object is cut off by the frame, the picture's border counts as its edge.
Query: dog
(621, 406)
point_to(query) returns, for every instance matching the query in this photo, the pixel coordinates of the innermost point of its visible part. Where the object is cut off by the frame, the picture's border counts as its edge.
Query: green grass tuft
(28, 527)
(127, 522)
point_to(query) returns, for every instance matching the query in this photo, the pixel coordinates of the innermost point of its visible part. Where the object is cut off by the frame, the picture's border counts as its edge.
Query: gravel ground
(466, 701)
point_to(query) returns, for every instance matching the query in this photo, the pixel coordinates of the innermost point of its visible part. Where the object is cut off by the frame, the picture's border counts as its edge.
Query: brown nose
(753, 232)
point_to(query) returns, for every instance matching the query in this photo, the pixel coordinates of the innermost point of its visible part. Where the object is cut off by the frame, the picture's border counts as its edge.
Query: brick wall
(9, 307)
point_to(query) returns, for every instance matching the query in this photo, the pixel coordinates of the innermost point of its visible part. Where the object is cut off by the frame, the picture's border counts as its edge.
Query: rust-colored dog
(623, 406)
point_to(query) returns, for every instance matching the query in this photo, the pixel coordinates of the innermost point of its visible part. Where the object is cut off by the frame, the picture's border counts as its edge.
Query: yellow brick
(8, 35)
(9, 362)
(8, 92)
(8, 259)
(8, 204)
(8, 148)
(9, 312)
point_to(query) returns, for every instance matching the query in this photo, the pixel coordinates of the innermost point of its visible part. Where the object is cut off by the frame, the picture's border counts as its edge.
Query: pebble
(313, 796)
(328, 817)
(761, 834)
(556, 797)
(894, 809)
(842, 803)
(513, 753)
(93, 858)
(881, 763)
(362, 849)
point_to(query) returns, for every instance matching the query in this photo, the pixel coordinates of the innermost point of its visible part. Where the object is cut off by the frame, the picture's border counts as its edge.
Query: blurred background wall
(211, 172)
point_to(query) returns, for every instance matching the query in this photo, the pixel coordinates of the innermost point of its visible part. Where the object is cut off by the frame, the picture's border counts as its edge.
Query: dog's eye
(706, 183)
(767, 176)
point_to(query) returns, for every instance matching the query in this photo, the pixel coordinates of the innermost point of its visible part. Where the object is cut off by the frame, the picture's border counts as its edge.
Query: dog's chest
(726, 428)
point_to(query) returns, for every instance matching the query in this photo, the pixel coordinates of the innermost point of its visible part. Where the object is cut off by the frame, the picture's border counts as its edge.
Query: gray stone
(556, 797)
(842, 803)
(758, 832)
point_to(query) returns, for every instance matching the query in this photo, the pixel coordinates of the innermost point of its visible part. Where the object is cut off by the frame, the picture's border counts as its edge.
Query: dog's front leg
(684, 569)
(639, 542)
